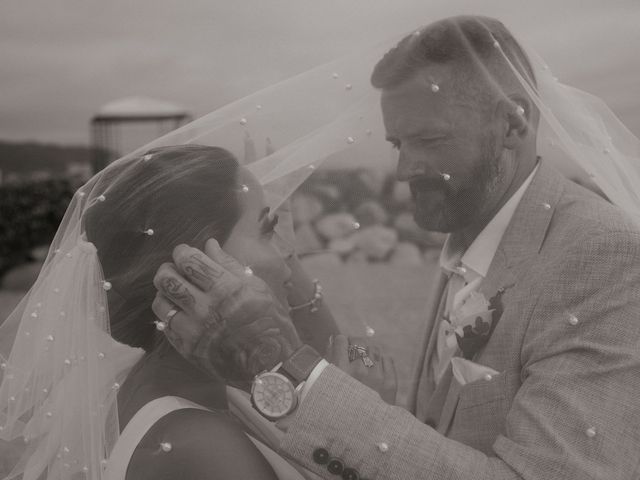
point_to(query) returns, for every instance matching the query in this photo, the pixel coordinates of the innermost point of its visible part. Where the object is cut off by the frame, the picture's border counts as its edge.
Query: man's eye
(431, 139)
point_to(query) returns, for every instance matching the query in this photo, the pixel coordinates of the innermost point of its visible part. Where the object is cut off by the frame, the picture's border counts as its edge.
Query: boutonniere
(475, 320)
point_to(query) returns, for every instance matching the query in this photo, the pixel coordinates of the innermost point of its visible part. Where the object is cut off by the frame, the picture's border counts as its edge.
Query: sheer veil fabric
(61, 368)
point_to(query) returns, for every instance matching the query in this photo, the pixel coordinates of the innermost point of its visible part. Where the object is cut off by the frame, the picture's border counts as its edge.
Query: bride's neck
(164, 372)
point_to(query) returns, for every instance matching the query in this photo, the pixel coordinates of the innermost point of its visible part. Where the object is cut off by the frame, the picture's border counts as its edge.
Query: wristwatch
(275, 393)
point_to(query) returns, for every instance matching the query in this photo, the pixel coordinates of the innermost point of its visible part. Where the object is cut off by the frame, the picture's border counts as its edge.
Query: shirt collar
(476, 260)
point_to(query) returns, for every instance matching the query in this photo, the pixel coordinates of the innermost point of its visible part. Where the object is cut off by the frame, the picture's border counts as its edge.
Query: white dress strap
(153, 411)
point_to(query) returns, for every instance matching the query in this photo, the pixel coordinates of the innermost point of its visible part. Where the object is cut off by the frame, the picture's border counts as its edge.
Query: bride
(173, 419)
(185, 410)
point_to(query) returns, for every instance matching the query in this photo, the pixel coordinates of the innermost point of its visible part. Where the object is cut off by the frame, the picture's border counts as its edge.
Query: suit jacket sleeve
(575, 416)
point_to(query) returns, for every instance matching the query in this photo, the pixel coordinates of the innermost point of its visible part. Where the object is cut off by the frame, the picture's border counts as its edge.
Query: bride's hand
(381, 376)
(228, 323)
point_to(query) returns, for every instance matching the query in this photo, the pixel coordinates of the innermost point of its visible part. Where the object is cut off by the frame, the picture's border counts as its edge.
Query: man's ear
(515, 113)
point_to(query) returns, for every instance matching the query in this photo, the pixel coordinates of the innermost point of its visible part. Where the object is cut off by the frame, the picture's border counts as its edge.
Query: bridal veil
(61, 368)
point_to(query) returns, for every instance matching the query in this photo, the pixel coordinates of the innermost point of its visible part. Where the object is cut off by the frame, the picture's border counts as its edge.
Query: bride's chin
(281, 294)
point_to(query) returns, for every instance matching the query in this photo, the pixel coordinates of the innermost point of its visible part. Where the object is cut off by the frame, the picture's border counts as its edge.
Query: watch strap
(301, 363)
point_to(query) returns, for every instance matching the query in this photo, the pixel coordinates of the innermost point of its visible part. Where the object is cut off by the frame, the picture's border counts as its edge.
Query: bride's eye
(269, 225)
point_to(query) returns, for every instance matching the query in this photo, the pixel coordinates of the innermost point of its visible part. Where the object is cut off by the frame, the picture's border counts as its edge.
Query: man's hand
(229, 323)
(381, 377)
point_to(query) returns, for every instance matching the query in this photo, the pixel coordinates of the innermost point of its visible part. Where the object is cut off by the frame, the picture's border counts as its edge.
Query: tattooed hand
(229, 323)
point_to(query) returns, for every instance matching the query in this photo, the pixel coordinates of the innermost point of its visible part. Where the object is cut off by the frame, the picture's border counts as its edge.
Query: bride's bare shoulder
(197, 444)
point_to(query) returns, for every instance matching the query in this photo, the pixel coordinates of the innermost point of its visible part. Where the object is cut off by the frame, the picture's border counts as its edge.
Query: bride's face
(251, 241)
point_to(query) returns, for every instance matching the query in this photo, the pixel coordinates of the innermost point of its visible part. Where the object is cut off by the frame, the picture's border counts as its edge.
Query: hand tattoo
(214, 320)
(238, 329)
(248, 333)
(204, 275)
(178, 292)
(263, 353)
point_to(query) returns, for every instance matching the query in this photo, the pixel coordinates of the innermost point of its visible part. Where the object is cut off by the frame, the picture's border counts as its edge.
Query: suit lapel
(525, 234)
(520, 244)
(524, 237)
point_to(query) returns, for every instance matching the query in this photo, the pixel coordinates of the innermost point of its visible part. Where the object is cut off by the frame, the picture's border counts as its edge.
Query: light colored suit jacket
(566, 403)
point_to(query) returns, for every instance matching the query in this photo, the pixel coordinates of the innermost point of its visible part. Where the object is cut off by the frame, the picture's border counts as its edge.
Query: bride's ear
(515, 114)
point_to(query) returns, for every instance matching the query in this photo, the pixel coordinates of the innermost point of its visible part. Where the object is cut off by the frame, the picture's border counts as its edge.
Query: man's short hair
(467, 43)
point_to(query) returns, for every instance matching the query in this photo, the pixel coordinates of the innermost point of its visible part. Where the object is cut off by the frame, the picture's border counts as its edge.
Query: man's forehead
(427, 99)
(424, 79)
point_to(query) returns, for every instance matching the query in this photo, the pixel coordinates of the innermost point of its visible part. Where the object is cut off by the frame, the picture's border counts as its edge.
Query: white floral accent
(474, 305)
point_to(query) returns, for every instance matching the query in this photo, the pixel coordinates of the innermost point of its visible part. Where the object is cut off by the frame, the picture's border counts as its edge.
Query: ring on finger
(164, 324)
(357, 351)
(367, 361)
(169, 316)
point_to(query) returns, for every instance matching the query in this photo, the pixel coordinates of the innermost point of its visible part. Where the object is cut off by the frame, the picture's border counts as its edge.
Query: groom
(546, 385)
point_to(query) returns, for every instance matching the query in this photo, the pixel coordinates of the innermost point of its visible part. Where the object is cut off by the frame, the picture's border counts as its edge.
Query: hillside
(25, 158)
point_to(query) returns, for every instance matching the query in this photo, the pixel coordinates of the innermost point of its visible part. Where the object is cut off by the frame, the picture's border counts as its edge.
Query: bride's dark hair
(179, 194)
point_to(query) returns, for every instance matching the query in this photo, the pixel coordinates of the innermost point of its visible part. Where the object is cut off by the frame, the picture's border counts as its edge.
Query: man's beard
(457, 208)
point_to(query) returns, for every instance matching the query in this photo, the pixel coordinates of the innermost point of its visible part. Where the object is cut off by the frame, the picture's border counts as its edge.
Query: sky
(61, 60)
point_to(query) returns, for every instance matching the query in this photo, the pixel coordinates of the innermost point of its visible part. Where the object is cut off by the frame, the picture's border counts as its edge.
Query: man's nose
(409, 165)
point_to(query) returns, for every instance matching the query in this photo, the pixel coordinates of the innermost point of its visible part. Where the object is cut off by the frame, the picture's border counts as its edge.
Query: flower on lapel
(473, 305)
(475, 320)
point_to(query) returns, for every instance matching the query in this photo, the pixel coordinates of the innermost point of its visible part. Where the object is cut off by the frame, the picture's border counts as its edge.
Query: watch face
(273, 395)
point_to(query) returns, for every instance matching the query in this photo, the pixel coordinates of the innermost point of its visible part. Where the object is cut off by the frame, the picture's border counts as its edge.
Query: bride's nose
(284, 247)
